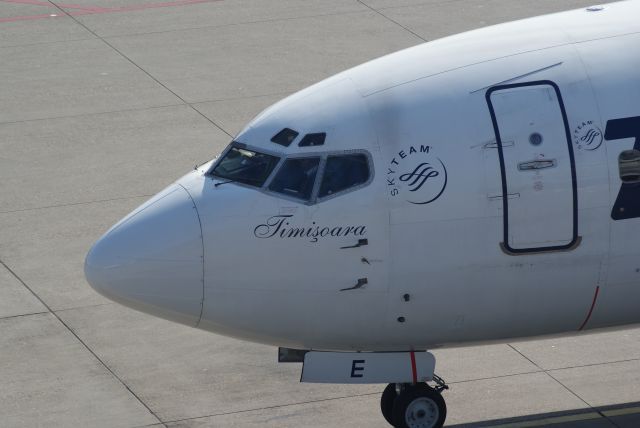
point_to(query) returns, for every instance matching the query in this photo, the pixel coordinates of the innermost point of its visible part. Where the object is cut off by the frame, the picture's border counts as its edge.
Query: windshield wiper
(243, 180)
(220, 183)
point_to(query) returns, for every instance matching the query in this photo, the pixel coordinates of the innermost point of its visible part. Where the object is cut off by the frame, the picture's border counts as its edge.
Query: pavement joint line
(234, 24)
(393, 20)
(26, 45)
(600, 412)
(181, 104)
(61, 321)
(138, 66)
(72, 116)
(580, 398)
(44, 3)
(146, 426)
(604, 363)
(71, 204)
(547, 372)
(524, 356)
(23, 315)
(460, 382)
(435, 3)
(97, 305)
(79, 10)
(211, 120)
(248, 97)
(278, 406)
(593, 364)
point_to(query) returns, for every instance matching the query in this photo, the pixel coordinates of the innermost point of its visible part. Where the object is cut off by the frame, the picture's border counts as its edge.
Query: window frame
(295, 137)
(281, 164)
(369, 159)
(283, 157)
(323, 155)
(239, 145)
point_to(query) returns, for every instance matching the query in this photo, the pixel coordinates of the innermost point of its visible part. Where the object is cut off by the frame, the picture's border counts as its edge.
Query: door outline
(575, 240)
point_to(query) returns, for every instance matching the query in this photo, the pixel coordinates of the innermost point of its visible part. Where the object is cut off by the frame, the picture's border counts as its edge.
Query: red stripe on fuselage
(593, 305)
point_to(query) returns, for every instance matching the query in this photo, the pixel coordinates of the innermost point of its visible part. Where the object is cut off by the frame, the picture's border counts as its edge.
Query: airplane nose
(152, 260)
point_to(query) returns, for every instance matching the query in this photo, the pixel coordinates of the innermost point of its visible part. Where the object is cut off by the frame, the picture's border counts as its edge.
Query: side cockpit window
(343, 172)
(245, 166)
(296, 177)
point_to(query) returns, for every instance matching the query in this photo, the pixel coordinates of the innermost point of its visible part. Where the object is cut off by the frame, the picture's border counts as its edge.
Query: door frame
(575, 240)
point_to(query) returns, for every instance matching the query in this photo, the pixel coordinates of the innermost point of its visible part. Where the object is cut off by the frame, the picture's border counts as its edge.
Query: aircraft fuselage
(496, 200)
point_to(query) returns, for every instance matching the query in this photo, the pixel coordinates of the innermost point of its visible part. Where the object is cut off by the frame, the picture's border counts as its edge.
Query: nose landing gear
(414, 405)
(407, 402)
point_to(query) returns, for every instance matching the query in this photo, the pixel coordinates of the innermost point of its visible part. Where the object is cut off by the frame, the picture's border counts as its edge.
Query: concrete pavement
(104, 102)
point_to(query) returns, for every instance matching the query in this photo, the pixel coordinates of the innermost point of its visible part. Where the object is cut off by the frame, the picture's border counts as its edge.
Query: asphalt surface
(102, 104)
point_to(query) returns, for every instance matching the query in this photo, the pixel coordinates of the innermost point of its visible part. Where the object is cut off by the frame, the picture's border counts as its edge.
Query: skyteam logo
(587, 136)
(416, 175)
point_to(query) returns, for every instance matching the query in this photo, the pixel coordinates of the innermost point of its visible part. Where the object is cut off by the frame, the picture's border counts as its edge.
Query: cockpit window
(296, 177)
(245, 166)
(343, 172)
(285, 137)
(316, 139)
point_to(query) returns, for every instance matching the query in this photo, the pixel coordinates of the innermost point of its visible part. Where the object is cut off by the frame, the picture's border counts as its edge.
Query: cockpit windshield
(245, 166)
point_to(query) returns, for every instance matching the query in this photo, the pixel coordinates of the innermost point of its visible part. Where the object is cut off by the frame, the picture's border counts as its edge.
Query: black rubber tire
(413, 393)
(386, 402)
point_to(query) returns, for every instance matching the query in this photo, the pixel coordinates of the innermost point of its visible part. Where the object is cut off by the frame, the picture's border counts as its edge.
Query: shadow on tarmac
(624, 415)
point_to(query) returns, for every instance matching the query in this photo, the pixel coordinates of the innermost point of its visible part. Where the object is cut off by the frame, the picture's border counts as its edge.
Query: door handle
(536, 164)
(361, 243)
(494, 144)
(509, 196)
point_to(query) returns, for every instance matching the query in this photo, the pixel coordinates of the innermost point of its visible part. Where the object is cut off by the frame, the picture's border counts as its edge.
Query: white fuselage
(494, 207)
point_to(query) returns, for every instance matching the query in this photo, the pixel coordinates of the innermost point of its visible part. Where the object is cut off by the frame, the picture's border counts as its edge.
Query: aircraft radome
(474, 189)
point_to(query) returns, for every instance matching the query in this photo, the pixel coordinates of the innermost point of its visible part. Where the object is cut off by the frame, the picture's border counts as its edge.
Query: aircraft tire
(419, 406)
(386, 402)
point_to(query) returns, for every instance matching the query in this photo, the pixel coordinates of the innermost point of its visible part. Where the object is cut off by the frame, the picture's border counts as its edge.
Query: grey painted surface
(89, 128)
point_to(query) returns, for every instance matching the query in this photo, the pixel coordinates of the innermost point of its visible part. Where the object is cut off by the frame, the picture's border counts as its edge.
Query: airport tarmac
(102, 104)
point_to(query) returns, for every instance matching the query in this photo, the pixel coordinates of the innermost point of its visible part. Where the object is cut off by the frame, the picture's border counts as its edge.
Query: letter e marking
(357, 366)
